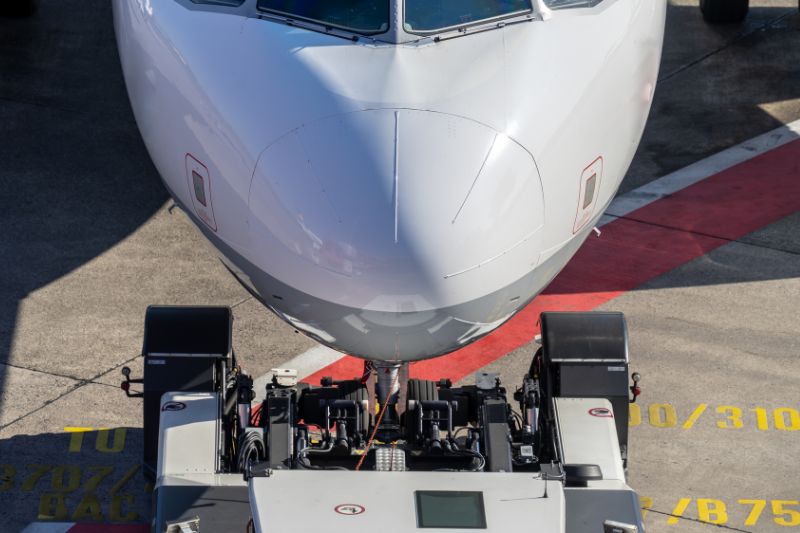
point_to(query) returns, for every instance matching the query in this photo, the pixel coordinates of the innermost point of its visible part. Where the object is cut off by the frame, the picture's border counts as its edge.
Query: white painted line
(48, 527)
(696, 172)
(320, 356)
(306, 364)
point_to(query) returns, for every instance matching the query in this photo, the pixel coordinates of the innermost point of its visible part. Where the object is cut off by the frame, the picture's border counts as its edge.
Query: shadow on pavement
(74, 174)
(75, 476)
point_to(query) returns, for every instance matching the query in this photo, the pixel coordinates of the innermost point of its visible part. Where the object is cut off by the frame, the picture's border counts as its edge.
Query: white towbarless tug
(225, 457)
(396, 179)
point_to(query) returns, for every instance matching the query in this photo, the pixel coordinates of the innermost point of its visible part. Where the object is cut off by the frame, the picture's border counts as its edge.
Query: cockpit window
(425, 16)
(359, 16)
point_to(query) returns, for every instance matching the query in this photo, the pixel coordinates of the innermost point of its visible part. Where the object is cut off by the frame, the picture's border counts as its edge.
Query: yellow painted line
(76, 441)
(697, 413)
(677, 513)
(784, 513)
(127, 477)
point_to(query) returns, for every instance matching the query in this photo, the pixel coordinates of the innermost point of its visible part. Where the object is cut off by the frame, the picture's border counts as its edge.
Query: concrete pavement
(89, 242)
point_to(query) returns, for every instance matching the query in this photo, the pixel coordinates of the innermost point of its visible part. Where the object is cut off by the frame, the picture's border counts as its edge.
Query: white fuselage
(394, 200)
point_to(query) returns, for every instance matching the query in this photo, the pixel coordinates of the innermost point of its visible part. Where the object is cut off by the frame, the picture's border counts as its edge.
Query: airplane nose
(396, 210)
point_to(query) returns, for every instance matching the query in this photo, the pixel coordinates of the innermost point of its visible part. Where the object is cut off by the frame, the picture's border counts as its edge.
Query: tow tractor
(363, 455)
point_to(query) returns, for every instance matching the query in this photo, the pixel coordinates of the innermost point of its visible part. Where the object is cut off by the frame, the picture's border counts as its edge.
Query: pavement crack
(763, 247)
(707, 235)
(47, 373)
(237, 304)
(115, 367)
(79, 383)
(697, 521)
(75, 387)
(725, 46)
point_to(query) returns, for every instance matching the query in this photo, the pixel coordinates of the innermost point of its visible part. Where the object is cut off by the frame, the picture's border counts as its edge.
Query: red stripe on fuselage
(647, 243)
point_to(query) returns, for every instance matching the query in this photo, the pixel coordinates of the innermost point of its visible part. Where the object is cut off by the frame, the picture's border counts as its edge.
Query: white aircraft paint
(395, 197)
(318, 357)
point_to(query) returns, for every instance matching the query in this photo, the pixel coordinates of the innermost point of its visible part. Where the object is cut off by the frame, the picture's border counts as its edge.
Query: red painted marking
(109, 528)
(649, 242)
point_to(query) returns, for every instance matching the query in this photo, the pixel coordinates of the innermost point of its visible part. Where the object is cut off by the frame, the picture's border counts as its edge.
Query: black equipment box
(586, 356)
(186, 349)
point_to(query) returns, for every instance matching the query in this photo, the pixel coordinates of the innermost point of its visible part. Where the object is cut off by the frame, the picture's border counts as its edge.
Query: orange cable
(377, 423)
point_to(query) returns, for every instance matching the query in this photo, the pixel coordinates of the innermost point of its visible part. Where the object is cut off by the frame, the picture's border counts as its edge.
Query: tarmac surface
(89, 242)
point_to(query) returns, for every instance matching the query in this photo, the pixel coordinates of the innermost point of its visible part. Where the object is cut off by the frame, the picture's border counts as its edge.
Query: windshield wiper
(462, 31)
